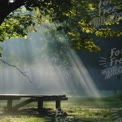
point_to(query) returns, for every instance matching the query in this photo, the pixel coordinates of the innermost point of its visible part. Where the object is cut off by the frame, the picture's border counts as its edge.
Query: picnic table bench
(31, 98)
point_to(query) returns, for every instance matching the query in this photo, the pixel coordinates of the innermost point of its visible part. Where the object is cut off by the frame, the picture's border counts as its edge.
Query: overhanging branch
(16, 69)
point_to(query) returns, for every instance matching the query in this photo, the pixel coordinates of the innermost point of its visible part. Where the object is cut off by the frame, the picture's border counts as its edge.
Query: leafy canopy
(81, 20)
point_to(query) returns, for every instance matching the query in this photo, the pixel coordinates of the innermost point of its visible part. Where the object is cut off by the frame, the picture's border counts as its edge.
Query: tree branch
(16, 69)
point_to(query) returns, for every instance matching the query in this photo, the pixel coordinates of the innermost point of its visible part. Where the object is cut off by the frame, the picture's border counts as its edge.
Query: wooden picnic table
(31, 98)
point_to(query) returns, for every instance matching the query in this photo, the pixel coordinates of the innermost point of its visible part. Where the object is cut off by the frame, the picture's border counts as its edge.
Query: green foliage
(80, 30)
(76, 16)
(18, 24)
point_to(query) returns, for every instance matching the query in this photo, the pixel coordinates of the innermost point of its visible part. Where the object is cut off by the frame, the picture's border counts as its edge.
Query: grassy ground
(75, 110)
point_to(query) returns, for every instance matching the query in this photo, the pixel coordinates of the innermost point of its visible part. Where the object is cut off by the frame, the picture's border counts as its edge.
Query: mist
(49, 67)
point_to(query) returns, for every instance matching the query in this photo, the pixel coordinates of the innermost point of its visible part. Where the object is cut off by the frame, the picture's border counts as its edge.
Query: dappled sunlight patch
(21, 119)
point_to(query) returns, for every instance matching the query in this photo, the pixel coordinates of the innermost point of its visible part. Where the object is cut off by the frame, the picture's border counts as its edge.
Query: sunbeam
(82, 76)
(44, 60)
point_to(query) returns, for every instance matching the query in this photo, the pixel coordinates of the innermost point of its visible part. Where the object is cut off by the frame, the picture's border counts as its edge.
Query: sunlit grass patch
(22, 119)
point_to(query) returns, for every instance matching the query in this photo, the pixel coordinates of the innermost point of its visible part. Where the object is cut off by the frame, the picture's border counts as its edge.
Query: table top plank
(40, 96)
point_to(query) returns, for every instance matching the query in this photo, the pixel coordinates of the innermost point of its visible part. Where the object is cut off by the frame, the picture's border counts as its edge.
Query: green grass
(21, 119)
(78, 109)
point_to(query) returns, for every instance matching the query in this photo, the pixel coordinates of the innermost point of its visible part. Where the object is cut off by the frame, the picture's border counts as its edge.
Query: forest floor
(76, 109)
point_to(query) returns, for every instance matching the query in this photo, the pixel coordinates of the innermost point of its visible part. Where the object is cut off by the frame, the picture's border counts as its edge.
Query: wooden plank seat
(31, 98)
